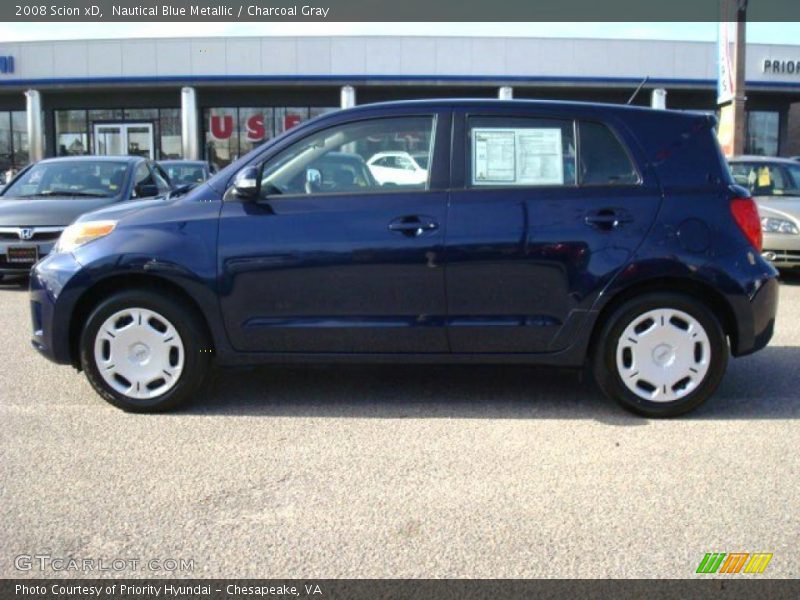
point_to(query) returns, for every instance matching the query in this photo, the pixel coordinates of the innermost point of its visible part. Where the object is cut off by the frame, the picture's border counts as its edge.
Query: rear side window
(603, 160)
(521, 151)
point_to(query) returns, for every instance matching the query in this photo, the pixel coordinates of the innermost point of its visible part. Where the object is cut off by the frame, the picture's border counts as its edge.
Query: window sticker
(529, 156)
(764, 179)
(494, 151)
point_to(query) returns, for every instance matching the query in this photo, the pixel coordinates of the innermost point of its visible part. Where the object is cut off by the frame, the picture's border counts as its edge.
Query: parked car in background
(775, 185)
(45, 197)
(398, 168)
(187, 172)
(643, 265)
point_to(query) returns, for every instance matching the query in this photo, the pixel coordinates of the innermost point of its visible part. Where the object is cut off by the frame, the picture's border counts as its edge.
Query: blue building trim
(355, 79)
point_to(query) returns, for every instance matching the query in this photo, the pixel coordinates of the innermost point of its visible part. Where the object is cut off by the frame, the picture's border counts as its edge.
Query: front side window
(340, 159)
(70, 179)
(603, 160)
(520, 151)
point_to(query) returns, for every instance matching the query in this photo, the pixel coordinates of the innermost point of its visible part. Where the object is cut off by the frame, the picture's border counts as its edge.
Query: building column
(658, 98)
(33, 105)
(347, 96)
(190, 124)
(505, 92)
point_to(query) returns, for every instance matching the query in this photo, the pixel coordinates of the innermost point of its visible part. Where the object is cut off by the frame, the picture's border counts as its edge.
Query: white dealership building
(218, 97)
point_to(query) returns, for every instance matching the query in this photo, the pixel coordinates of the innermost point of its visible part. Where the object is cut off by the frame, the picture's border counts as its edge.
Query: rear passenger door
(545, 209)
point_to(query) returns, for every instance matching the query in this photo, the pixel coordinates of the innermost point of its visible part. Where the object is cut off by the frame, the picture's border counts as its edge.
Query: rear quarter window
(602, 158)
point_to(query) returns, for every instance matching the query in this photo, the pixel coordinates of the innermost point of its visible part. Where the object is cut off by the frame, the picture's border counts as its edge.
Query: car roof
(490, 103)
(91, 158)
(762, 159)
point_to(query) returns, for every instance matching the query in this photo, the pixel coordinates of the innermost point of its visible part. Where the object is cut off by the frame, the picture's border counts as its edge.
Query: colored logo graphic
(735, 562)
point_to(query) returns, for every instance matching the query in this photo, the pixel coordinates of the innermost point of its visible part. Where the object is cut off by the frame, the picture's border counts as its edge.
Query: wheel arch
(102, 289)
(698, 290)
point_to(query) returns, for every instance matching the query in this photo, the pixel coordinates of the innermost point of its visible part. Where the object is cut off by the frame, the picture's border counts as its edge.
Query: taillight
(745, 212)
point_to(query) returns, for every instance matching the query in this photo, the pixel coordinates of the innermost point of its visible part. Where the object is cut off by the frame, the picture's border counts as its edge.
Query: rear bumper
(756, 317)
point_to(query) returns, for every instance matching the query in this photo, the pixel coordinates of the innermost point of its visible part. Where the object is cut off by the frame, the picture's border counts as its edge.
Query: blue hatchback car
(580, 235)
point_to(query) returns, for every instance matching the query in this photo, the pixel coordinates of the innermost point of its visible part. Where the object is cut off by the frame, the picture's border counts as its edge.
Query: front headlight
(79, 234)
(773, 225)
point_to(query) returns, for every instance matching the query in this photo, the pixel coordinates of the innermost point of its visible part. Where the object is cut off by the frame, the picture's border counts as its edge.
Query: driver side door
(329, 260)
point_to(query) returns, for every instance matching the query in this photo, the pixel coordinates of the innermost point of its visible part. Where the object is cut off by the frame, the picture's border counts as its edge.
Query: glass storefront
(13, 140)
(763, 133)
(231, 132)
(157, 132)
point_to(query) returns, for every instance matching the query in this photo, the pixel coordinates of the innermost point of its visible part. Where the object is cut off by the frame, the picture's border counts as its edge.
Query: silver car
(775, 184)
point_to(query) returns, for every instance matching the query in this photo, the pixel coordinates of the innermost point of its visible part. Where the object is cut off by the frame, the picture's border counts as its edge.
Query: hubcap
(663, 355)
(139, 353)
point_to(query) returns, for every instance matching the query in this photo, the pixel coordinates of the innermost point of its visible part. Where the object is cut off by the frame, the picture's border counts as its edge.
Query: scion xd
(567, 234)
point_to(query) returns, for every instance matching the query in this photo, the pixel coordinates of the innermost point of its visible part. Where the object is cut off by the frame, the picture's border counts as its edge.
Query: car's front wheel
(661, 354)
(143, 352)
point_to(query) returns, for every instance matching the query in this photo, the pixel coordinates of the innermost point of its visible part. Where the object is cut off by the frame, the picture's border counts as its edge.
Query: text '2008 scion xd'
(566, 234)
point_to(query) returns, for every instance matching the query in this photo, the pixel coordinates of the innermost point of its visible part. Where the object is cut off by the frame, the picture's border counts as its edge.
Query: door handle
(606, 219)
(413, 225)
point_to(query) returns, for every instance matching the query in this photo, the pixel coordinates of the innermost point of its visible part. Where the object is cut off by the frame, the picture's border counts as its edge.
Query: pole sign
(726, 86)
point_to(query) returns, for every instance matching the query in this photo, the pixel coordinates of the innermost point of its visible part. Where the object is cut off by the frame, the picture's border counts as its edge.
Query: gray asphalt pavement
(381, 471)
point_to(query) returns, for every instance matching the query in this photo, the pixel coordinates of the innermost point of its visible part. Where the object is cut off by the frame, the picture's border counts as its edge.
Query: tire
(660, 355)
(143, 332)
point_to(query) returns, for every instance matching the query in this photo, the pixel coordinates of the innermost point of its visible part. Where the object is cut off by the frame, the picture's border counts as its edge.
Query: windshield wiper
(71, 194)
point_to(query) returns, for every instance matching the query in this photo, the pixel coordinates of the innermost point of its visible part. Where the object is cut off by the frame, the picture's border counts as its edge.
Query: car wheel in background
(661, 354)
(143, 351)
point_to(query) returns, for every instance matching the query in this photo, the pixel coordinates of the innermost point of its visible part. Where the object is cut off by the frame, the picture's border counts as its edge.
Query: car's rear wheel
(143, 352)
(661, 354)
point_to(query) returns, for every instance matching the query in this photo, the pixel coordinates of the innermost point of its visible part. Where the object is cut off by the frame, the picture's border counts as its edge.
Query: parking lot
(445, 471)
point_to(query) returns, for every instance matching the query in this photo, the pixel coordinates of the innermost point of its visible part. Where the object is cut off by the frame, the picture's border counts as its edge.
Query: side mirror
(246, 184)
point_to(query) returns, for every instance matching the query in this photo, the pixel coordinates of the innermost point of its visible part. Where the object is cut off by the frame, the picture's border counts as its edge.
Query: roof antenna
(637, 90)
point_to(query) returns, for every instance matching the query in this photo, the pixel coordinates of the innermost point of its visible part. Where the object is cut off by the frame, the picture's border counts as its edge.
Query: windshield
(185, 173)
(70, 179)
(768, 179)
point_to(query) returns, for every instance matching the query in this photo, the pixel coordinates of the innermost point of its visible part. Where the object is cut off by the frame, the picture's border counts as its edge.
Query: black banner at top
(394, 11)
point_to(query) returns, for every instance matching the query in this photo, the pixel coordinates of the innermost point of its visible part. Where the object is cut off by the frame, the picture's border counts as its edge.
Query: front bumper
(52, 305)
(782, 250)
(8, 267)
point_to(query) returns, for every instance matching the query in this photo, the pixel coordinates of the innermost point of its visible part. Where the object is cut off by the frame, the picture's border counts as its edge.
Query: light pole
(739, 49)
(731, 79)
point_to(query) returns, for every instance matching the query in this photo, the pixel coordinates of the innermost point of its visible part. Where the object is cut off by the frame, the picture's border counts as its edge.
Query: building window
(231, 132)
(762, 133)
(6, 154)
(222, 135)
(13, 140)
(169, 124)
(71, 133)
(255, 127)
(286, 118)
(19, 138)
(75, 129)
